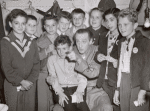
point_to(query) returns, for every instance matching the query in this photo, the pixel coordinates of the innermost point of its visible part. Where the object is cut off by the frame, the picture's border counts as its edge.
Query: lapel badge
(117, 42)
(135, 50)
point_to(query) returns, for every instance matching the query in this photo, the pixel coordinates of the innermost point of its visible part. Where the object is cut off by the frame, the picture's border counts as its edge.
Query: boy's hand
(141, 97)
(50, 48)
(116, 98)
(62, 98)
(50, 80)
(26, 84)
(101, 57)
(79, 96)
(114, 61)
(57, 107)
(72, 56)
(22, 88)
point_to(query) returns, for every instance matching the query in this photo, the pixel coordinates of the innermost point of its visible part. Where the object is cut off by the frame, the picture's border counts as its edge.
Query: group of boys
(73, 72)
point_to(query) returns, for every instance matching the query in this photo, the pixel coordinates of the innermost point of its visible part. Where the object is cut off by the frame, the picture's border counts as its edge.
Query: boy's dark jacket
(112, 72)
(140, 61)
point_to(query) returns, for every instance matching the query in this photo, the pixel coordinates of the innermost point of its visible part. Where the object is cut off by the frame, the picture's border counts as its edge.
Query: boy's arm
(52, 73)
(89, 70)
(44, 47)
(36, 65)
(82, 83)
(10, 74)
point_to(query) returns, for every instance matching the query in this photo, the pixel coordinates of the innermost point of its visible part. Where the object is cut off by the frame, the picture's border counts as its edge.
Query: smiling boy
(134, 62)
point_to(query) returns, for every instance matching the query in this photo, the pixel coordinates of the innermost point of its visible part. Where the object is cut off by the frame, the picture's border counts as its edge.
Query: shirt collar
(31, 36)
(14, 38)
(112, 35)
(59, 32)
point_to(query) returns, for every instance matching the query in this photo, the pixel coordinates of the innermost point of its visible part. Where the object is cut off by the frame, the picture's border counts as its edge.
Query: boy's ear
(91, 41)
(10, 24)
(136, 25)
(44, 27)
(84, 20)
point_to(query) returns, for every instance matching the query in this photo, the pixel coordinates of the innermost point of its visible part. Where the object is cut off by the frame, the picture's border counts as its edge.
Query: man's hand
(26, 84)
(62, 98)
(116, 98)
(141, 97)
(101, 57)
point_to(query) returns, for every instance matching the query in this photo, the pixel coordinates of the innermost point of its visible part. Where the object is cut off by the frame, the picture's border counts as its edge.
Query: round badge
(117, 42)
(135, 50)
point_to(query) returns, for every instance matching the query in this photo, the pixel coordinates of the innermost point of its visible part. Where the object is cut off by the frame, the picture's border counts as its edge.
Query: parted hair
(98, 9)
(77, 11)
(66, 15)
(15, 13)
(62, 39)
(49, 17)
(113, 11)
(31, 17)
(130, 13)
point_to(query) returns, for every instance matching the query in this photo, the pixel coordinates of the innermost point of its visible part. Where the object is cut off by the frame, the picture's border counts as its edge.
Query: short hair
(82, 31)
(77, 11)
(15, 13)
(66, 15)
(131, 14)
(113, 11)
(31, 17)
(62, 39)
(98, 9)
(49, 17)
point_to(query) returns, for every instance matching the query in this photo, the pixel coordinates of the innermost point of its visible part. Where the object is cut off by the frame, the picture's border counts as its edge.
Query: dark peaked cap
(54, 11)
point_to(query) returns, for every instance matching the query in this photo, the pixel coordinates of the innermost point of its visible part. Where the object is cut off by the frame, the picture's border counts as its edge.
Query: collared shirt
(31, 36)
(111, 41)
(97, 33)
(75, 29)
(60, 33)
(66, 76)
(127, 55)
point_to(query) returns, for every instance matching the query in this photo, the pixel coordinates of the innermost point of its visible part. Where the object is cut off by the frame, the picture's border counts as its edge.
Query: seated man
(83, 54)
(68, 85)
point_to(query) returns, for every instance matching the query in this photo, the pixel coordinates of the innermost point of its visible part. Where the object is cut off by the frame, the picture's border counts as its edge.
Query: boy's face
(83, 42)
(50, 26)
(111, 22)
(78, 19)
(18, 24)
(62, 49)
(96, 19)
(31, 26)
(126, 27)
(63, 24)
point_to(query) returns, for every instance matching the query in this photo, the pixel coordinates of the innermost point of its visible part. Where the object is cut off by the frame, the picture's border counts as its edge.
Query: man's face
(31, 26)
(50, 26)
(63, 24)
(62, 49)
(126, 27)
(96, 19)
(83, 42)
(78, 19)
